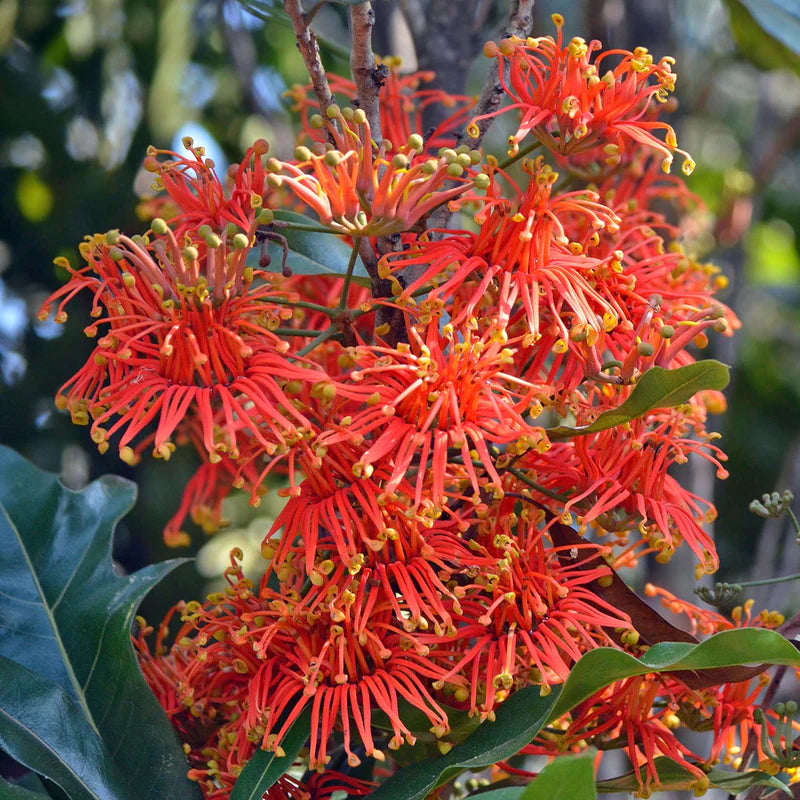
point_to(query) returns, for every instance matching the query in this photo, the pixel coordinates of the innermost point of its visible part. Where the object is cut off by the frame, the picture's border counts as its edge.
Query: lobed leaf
(657, 388)
(67, 617)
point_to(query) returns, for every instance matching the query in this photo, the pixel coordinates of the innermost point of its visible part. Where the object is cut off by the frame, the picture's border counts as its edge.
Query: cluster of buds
(415, 571)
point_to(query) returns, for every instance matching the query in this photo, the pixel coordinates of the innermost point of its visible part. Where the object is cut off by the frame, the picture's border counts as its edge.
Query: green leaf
(42, 727)
(310, 252)
(264, 768)
(767, 32)
(605, 665)
(657, 388)
(779, 18)
(67, 616)
(673, 777)
(506, 793)
(518, 720)
(735, 782)
(565, 776)
(15, 791)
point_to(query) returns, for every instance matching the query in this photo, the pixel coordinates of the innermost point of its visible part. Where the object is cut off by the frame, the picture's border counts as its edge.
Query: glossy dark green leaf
(518, 720)
(310, 252)
(506, 793)
(605, 665)
(565, 776)
(264, 768)
(657, 388)
(14, 791)
(673, 777)
(43, 728)
(67, 616)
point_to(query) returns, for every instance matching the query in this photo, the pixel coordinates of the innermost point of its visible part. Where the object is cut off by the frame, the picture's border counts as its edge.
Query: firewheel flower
(557, 281)
(184, 333)
(629, 470)
(360, 188)
(434, 406)
(403, 99)
(528, 614)
(569, 104)
(195, 190)
(272, 655)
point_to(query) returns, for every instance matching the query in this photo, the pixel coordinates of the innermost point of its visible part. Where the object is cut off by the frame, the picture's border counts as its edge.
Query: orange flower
(525, 617)
(555, 280)
(184, 333)
(438, 403)
(568, 105)
(403, 99)
(359, 188)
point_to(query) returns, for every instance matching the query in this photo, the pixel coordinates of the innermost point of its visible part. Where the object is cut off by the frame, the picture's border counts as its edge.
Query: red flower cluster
(412, 572)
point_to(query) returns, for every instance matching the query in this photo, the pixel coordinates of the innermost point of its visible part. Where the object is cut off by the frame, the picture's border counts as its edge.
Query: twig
(520, 23)
(309, 49)
(348, 277)
(367, 77)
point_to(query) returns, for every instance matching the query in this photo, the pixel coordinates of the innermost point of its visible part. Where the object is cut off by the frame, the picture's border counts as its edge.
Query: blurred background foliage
(86, 85)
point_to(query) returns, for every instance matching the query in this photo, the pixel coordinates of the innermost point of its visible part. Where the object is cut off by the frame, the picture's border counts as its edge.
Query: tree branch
(520, 23)
(367, 76)
(307, 44)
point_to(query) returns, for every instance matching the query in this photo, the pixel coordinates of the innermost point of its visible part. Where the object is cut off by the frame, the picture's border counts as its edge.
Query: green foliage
(44, 728)
(566, 776)
(264, 768)
(13, 791)
(767, 31)
(605, 665)
(519, 719)
(310, 252)
(657, 388)
(67, 620)
(672, 776)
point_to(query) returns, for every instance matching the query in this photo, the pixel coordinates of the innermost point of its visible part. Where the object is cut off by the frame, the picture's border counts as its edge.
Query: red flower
(438, 404)
(525, 615)
(625, 471)
(184, 332)
(361, 189)
(568, 105)
(403, 101)
(524, 245)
